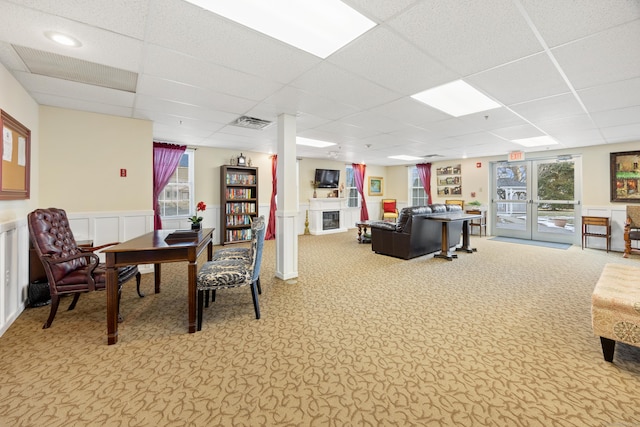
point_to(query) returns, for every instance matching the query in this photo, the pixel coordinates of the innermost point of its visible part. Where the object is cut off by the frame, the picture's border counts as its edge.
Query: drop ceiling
(567, 69)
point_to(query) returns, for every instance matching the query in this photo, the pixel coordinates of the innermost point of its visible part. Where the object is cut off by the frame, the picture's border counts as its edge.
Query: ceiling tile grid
(567, 68)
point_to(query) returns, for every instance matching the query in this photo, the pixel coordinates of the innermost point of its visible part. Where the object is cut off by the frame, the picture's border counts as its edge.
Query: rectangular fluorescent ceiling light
(403, 157)
(457, 98)
(537, 141)
(313, 142)
(319, 27)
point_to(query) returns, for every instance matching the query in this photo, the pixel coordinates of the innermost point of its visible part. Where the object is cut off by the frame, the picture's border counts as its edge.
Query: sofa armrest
(383, 225)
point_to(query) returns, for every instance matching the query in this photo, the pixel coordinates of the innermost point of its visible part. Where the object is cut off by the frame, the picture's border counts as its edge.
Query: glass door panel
(556, 202)
(537, 200)
(511, 206)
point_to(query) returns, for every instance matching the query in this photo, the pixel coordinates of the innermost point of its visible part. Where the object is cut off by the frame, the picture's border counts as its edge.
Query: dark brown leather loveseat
(414, 235)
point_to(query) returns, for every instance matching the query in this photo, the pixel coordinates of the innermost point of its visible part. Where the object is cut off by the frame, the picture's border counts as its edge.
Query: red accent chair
(389, 210)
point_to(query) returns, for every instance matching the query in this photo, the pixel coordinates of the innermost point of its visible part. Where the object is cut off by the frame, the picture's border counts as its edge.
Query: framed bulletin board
(16, 159)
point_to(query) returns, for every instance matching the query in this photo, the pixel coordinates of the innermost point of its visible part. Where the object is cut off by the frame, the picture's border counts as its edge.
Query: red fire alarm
(478, 164)
(123, 173)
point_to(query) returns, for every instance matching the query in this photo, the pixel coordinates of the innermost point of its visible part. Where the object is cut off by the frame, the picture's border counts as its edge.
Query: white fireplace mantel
(328, 204)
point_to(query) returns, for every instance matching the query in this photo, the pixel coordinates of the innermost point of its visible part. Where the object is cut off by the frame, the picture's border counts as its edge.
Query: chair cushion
(223, 274)
(389, 207)
(232, 253)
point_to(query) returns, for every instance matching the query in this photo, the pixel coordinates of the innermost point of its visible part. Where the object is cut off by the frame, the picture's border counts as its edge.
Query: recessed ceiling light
(62, 39)
(457, 98)
(317, 27)
(403, 157)
(536, 141)
(313, 142)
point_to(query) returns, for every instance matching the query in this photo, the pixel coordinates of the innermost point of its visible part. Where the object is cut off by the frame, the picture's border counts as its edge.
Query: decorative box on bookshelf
(239, 202)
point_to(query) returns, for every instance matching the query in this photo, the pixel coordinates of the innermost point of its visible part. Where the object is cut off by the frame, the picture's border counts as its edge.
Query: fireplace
(327, 215)
(330, 220)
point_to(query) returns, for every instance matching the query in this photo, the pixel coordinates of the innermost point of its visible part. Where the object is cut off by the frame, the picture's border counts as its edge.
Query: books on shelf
(234, 178)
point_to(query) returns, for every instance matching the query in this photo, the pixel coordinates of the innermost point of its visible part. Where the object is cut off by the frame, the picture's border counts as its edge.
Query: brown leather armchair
(631, 230)
(70, 270)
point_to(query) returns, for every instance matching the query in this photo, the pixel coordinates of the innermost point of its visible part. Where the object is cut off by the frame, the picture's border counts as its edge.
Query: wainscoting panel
(617, 215)
(14, 271)
(101, 227)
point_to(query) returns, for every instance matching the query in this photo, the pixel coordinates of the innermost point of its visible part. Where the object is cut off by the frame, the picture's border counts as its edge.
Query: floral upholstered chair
(232, 273)
(631, 230)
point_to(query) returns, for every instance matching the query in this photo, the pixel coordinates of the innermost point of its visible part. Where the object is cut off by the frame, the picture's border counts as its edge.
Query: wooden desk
(151, 248)
(445, 219)
(596, 221)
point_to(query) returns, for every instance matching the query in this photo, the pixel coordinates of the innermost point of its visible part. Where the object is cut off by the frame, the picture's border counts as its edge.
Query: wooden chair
(631, 230)
(70, 270)
(389, 209)
(480, 222)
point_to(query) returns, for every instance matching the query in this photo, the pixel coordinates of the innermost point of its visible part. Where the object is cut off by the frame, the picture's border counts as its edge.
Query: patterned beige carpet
(501, 337)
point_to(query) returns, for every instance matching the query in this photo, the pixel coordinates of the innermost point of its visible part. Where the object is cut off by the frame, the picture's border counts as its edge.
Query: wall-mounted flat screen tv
(327, 178)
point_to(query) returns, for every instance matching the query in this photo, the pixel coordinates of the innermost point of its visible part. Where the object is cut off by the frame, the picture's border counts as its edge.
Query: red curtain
(166, 158)
(424, 172)
(358, 174)
(271, 227)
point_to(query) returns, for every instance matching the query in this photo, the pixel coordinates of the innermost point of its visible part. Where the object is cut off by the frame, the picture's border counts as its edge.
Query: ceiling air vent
(251, 123)
(427, 156)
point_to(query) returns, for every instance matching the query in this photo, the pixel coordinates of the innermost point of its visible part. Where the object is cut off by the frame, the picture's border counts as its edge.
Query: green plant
(474, 203)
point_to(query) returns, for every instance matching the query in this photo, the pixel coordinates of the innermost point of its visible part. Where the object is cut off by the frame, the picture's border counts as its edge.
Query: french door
(537, 199)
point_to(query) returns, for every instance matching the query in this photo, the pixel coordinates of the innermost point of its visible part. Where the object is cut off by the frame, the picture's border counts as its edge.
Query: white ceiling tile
(347, 130)
(198, 72)
(619, 117)
(99, 46)
(178, 109)
(73, 90)
(468, 36)
(380, 9)
(564, 21)
(621, 94)
(126, 17)
(81, 105)
(192, 71)
(202, 97)
(627, 133)
(554, 107)
(373, 121)
(526, 79)
(386, 59)
(183, 27)
(328, 81)
(583, 61)
(517, 132)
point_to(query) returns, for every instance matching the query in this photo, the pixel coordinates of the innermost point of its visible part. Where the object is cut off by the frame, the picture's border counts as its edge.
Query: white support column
(287, 214)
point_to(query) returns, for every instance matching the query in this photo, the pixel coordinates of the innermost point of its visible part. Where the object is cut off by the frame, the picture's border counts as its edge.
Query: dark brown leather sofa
(414, 235)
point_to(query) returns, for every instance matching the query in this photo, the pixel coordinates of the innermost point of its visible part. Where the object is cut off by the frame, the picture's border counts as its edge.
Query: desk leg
(466, 240)
(157, 273)
(193, 266)
(444, 248)
(112, 304)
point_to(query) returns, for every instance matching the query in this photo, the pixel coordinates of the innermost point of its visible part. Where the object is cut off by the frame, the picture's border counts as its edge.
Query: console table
(596, 221)
(445, 219)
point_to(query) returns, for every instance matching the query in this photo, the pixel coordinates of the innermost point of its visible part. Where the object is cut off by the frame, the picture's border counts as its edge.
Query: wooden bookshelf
(238, 202)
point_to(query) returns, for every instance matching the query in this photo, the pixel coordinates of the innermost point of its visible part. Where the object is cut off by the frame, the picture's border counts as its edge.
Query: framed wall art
(625, 176)
(375, 185)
